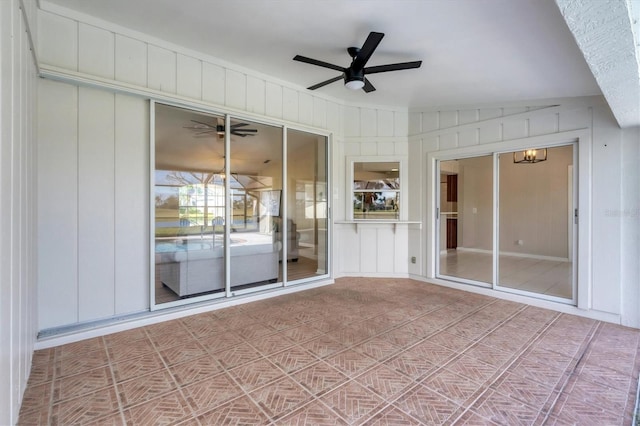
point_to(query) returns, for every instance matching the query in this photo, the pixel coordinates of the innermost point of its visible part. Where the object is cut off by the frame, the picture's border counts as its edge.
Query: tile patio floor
(362, 351)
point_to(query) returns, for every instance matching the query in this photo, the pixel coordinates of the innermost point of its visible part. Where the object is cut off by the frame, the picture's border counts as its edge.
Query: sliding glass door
(237, 206)
(522, 241)
(536, 222)
(466, 219)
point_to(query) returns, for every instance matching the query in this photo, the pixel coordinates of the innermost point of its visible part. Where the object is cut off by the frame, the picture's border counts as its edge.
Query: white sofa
(198, 268)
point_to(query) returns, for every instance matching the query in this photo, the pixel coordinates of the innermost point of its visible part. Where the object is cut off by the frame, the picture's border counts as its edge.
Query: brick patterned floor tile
(470, 418)
(525, 390)
(385, 382)
(453, 386)
(143, 388)
(573, 411)
(427, 406)
(350, 362)
(75, 365)
(133, 350)
(504, 410)
(280, 397)
(377, 348)
(42, 372)
(85, 408)
(432, 352)
(136, 367)
(202, 326)
(165, 328)
(195, 370)
(353, 402)
(401, 337)
(545, 374)
(392, 416)
(323, 346)
(240, 411)
(81, 384)
(555, 360)
(301, 333)
(348, 336)
(467, 328)
(35, 416)
(237, 355)
(411, 364)
(450, 341)
(319, 377)
(605, 376)
(610, 358)
(293, 359)
(207, 394)
(36, 397)
(255, 374)
(595, 395)
(220, 342)
(167, 409)
(489, 355)
(472, 369)
(112, 419)
(79, 349)
(125, 337)
(182, 353)
(314, 413)
(273, 343)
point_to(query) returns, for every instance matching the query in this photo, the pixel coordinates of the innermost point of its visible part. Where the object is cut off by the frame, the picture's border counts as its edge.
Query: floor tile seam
(113, 380)
(569, 374)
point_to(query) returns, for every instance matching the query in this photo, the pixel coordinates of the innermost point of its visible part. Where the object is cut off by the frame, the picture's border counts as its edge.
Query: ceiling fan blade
(235, 126)
(393, 67)
(367, 49)
(324, 83)
(368, 87)
(318, 63)
(206, 132)
(213, 126)
(244, 131)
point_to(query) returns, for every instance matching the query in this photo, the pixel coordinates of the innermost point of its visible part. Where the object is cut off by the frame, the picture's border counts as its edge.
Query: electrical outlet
(520, 242)
(413, 259)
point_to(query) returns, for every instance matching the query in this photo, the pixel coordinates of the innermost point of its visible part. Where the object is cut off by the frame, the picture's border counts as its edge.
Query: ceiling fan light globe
(354, 84)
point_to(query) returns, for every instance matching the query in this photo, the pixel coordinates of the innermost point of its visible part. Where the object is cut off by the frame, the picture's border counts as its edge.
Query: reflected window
(376, 190)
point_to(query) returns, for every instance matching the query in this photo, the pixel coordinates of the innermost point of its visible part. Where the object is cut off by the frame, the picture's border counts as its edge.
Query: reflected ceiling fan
(355, 74)
(237, 129)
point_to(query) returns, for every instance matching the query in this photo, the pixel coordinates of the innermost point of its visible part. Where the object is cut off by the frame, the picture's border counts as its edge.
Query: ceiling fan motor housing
(351, 74)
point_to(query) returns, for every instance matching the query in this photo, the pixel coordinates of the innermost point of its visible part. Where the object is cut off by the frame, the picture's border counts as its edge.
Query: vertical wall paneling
(161, 69)
(489, 133)
(468, 116)
(57, 204)
(401, 250)
(385, 123)
(130, 60)
(236, 89)
(131, 204)
(60, 45)
(400, 123)
(256, 93)
(351, 121)
(96, 51)
(319, 113)
(352, 148)
(448, 119)
(543, 124)
(96, 124)
(18, 304)
(386, 148)
(386, 250)
(334, 118)
(305, 108)
(368, 122)
(273, 101)
(369, 148)
(368, 236)
(290, 108)
(189, 76)
(213, 83)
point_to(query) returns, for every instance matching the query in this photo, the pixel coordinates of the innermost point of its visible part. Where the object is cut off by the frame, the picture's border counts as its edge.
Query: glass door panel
(255, 182)
(306, 227)
(189, 196)
(536, 222)
(466, 219)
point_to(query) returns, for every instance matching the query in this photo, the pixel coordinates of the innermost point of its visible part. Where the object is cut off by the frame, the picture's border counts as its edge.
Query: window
(375, 190)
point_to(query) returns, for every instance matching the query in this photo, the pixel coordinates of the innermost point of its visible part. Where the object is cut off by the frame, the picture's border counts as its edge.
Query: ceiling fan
(355, 74)
(236, 129)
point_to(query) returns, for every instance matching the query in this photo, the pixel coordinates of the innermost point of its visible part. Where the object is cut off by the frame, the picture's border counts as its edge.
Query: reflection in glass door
(466, 219)
(536, 223)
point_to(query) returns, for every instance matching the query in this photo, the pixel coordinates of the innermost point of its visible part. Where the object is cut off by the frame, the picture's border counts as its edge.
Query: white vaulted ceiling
(473, 51)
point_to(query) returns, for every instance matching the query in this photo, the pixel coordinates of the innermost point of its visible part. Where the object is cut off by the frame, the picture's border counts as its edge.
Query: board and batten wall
(613, 290)
(94, 154)
(18, 203)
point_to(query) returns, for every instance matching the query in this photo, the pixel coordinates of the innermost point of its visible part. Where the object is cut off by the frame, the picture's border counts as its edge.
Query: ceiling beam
(604, 33)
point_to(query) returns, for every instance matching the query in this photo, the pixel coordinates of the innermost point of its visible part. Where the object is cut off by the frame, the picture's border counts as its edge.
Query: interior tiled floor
(549, 277)
(362, 351)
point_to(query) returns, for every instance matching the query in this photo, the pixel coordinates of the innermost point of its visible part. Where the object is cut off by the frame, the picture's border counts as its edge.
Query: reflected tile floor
(362, 351)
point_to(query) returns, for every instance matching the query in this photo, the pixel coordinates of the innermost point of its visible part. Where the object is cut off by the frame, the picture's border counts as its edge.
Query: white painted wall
(17, 198)
(94, 158)
(614, 255)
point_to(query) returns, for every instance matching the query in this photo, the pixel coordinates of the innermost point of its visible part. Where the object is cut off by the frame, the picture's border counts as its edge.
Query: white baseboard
(513, 254)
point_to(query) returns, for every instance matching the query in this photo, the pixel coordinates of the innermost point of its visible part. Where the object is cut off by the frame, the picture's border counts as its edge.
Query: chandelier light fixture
(530, 156)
